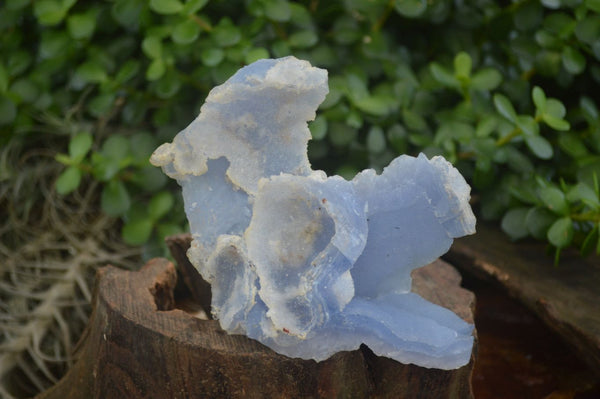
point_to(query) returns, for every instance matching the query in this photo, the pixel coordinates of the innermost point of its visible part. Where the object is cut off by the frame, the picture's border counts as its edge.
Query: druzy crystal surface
(307, 264)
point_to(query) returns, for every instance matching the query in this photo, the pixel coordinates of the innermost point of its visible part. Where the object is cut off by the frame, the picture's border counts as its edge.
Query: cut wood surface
(139, 345)
(566, 297)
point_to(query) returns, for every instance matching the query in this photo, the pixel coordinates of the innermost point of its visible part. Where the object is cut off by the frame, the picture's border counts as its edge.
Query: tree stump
(138, 344)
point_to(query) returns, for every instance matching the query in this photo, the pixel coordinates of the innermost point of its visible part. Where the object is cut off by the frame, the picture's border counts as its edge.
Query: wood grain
(566, 297)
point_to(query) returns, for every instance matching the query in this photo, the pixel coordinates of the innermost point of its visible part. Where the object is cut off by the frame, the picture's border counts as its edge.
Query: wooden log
(139, 345)
(566, 297)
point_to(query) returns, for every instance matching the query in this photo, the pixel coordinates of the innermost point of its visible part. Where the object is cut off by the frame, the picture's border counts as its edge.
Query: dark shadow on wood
(566, 297)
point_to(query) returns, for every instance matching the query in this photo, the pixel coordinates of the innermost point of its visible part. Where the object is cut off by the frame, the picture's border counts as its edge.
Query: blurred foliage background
(506, 90)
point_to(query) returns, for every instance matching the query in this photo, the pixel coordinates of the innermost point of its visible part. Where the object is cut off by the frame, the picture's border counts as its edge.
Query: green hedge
(507, 91)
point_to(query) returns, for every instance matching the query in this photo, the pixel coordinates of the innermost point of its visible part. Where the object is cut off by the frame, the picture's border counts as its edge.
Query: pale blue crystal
(307, 264)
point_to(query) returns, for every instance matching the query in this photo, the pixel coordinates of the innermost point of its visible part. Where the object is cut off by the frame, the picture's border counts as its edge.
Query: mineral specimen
(307, 264)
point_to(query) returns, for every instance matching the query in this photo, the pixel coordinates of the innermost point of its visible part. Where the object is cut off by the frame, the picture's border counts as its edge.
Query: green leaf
(18, 62)
(589, 171)
(225, 71)
(528, 125)
(149, 178)
(8, 111)
(303, 39)
(185, 32)
(593, 5)
(555, 108)
(443, 76)
(127, 13)
(584, 193)
(554, 199)
(160, 204)
(115, 199)
(397, 137)
(589, 243)
(80, 145)
(152, 47)
(340, 134)
(462, 65)
(410, 8)
(68, 180)
(528, 16)
(256, 54)
(137, 231)
(212, 56)
(81, 26)
(49, 12)
(101, 104)
(588, 29)
(454, 130)
(116, 147)
(413, 120)
(486, 79)
(53, 45)
(142, 145)
(486, 126)
(356, 87)
(156, 70)
(345, 30)
(513, 223)
(226, 33)
(128, 71)
(560, 233)
(560, 23)
(16, 4)
(193, 6)
(354, 119)
(277, 10)
(64, 159)
(168, 229)
(547, 40)
(166, 6)
(374, 105)
(539, 146)
(588, 106)
(168, 85)
(523, 191)
(113, 157)
(572, 145)
(318, 127)
(548, 63)
(538, 221)
(376, 140)
(91, 72)
(573, 61)
(556, 123)
(504, 107)
(346, 171)
(553, 4)
(539, 98)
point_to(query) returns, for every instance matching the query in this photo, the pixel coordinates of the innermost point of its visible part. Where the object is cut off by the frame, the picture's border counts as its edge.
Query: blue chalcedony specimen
(307, 264)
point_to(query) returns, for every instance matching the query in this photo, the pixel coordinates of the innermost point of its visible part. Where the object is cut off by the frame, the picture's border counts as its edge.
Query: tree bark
(138, 344)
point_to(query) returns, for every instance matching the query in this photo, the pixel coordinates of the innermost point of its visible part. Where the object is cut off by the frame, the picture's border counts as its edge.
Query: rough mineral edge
(308, 264)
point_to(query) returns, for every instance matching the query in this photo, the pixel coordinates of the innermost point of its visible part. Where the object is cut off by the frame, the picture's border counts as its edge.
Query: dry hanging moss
(50, 248)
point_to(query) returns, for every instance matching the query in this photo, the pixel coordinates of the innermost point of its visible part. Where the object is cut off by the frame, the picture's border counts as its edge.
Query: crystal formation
(307, 264)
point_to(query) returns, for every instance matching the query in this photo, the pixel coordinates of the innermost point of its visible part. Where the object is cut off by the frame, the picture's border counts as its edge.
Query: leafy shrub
(505, 90)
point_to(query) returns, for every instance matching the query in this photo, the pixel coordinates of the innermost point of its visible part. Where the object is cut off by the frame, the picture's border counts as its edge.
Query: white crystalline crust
(307, 264)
